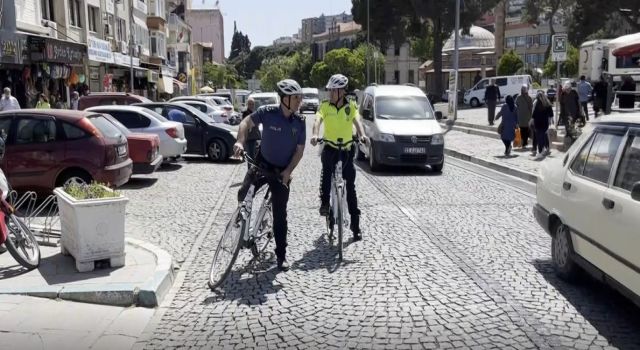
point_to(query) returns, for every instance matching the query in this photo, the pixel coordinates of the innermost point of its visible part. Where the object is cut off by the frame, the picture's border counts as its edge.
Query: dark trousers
(330, 157)
(507, 145)
(524, 134)
(542, 139)
(251, 147)
(491, 109)
(279, 201)
(585, 110)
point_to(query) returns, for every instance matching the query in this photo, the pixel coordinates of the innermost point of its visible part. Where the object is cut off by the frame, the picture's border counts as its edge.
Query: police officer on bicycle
(339, 115)
(283, 141)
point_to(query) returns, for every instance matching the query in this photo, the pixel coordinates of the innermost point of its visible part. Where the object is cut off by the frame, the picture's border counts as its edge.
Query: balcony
(176, 23)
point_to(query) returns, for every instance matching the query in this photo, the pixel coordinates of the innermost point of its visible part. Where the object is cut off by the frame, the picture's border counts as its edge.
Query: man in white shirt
(8, 102)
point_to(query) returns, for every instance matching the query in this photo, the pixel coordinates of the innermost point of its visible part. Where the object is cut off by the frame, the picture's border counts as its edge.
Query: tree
(345, 61)
(239, 43)
(273, 70)
(220, 76)
(568, 68)
(510, 63)
(600, 19)
(547, 11)
(397, 21)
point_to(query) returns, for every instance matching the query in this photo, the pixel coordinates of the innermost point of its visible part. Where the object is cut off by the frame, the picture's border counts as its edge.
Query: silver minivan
(402, 126)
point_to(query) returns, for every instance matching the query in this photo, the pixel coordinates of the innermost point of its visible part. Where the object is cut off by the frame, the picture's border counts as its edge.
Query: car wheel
(562, 253)
(373, 162)
(73, 177)
(437, 168)
(475, 102)
(216, 151)
(359, 154)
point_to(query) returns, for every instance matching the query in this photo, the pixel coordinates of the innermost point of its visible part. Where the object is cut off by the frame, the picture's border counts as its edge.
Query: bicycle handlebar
(339, 145)
(263, 171)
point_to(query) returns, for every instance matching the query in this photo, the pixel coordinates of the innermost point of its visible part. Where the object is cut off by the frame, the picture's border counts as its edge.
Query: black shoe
(283, 265)
(355, 228)
(324, 210)
(357, 236)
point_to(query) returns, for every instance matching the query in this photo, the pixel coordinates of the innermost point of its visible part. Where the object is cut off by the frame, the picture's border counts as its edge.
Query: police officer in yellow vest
(339, 115)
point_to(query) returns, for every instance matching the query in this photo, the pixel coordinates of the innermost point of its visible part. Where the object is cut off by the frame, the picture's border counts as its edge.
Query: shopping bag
(517, 142)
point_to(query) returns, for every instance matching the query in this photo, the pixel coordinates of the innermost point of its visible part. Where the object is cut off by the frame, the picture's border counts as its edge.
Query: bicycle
(338, 198)
(241, 231)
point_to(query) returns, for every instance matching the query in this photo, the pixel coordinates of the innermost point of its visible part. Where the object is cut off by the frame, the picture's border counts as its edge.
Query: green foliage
(351, 63)
(93, 191)
(569, 68)
(221, 76)
(510, 63)
(239, 43)
(601, 19)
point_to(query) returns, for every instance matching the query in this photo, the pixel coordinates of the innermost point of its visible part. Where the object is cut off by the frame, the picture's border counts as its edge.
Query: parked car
(138, 119)
(205, 136)
(216, 113)
(265, 98)
(48, 148)
(402, 126)
(589, 202)
(310, 100)
(551, 95)
(508, 85)
(109, 98)
(233, 117)
(144, 149)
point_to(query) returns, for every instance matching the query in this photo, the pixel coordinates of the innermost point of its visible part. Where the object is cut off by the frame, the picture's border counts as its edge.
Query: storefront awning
(165, 85)
(140, 22)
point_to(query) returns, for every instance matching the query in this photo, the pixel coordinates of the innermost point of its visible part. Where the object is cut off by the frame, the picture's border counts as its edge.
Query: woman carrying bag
(509, 125)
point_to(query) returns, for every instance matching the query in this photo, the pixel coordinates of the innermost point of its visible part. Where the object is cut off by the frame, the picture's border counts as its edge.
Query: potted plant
(92, 224)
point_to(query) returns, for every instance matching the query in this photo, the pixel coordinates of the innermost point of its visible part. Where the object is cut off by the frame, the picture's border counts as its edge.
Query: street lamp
(131, 43)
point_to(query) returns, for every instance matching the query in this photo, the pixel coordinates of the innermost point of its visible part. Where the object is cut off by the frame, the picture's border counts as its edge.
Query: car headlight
(385, 138)
(437, 140)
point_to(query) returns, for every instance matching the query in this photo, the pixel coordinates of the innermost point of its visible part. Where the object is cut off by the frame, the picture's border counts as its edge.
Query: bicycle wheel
(227, 250)
(21, 243)
(262, 227)
(339, 222)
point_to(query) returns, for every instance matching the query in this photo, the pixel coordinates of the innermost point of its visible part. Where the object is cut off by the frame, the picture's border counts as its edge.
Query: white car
(139, 119)
(216, 113)
(508, 85)
(589, 202)
(265, 98)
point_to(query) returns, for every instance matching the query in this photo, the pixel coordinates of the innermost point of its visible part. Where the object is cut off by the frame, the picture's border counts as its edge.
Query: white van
(509, 85)
(310, 100)
(402, 126)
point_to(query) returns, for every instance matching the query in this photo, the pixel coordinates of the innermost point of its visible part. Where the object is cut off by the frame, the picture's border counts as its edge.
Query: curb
(149, 294)
(525, 175)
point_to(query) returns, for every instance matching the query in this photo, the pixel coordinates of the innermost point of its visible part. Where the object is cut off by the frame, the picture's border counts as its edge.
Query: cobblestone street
(451, 260)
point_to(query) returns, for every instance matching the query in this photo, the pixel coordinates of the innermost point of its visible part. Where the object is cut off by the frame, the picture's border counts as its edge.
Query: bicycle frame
(338, 186)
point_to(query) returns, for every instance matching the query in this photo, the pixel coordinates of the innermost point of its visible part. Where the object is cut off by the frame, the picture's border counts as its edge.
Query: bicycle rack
(43, 220)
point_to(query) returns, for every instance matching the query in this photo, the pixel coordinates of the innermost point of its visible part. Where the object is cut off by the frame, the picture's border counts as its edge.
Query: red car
(47, 148)
(144, 149)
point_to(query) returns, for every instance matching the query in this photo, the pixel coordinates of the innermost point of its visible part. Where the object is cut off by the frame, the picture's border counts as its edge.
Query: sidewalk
(489, 152)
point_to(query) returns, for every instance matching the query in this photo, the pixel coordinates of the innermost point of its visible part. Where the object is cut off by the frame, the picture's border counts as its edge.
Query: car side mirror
(366, 114)
(635, 191)
(438, 115)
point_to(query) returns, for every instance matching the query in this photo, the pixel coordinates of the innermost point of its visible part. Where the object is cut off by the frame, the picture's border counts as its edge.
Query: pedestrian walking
(8, 102)
(491, 97)
(569, 108)
(627, 100)
(477, 78)
(542, 114)
(509, 124)
(254, 133)
(584, 94)
(43, 102)
(75, 98)
(524, 105)
(599, 96)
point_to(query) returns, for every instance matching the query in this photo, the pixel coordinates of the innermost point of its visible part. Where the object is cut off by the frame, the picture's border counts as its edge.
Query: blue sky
(266, 20)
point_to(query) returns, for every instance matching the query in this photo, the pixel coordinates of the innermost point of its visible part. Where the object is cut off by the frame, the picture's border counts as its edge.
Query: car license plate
(122, 150)
(415, 150)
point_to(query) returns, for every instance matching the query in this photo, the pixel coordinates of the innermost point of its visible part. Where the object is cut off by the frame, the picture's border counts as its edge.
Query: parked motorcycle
(14, 233)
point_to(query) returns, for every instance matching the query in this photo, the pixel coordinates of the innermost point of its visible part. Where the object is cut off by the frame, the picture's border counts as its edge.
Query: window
(501, 82)
(596, 158)
(5, 126)
(396, 50)
(511, 42)
(404, 107)
(75, 9)
(482, 84)
(93, 18)
(629, 170)
(73, 132)
(156, 8)
(122, 30)
(396, 77)
(107, 129)
(177, 115)
(544, 39)
(47, 9)
(36, 131)
(520, 41)
(158, 44)
(131, 120)
(411, 76)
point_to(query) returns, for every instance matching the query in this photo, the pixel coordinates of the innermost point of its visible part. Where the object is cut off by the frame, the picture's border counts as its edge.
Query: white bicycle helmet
(337, 81)
(288, 87)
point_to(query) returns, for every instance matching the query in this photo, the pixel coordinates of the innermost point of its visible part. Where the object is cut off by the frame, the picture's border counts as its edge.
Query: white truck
(616, 57)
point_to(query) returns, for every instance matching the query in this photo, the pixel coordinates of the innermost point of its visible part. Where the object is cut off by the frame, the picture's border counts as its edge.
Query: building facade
(318, 25)
(400, 67)
(340, 35)
(207, 26)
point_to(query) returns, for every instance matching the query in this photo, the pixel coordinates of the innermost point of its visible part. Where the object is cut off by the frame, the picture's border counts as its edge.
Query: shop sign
(13, 48)
(57, 51)
(125, 60)
(182, 77)
(99, 50)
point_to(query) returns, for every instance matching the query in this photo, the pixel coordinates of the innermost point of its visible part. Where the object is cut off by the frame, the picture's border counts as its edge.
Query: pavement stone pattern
(452, 260)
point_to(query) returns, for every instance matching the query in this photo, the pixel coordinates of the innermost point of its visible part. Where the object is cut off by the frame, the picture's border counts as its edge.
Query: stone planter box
(92, 229)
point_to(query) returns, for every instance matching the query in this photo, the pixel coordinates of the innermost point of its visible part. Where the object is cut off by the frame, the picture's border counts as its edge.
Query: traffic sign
(559, 44)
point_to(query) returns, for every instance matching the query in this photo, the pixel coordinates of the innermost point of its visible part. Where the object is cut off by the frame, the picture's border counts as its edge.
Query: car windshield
(106, 128)
(261, 101)
(198, 113)
(405, 107)
(310, 96)
(157, 116)
(119, 125)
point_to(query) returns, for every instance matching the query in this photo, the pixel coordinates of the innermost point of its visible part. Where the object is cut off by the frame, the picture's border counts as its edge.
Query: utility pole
(131, 42)
(368, 43)
(456, 59)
